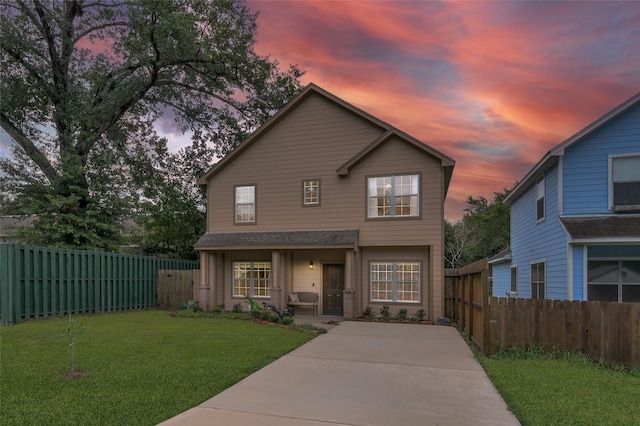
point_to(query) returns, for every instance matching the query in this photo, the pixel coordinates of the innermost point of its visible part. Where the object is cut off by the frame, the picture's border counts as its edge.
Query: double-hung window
(395, 282)
(393, 196)
(624, 182)
(311, 192)
(540, 199)
(245, 202)
(538, 280)
(613, 280)
(252, 279)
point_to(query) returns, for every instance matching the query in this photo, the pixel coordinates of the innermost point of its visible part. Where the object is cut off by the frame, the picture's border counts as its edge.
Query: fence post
(486, 312)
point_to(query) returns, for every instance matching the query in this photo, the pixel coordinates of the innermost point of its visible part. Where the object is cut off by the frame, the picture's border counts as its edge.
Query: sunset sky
(494, 85)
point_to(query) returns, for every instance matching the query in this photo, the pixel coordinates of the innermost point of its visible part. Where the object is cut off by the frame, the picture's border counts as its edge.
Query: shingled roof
(601, 227)
(280, 239)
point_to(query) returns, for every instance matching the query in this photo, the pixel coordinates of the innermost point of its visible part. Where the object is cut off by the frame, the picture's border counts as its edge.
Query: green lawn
(564, 389)
(141, 367)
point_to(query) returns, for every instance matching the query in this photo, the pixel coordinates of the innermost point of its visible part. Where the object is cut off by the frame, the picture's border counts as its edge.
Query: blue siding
(586, 163)
(501, 278)
(578, 273)
(544, 241)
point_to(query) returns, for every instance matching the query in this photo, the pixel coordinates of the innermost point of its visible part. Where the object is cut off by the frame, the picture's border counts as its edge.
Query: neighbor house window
(311, 192)
(245, 204)
(514, 279)
(624, 186)
(540, 199)
(538, 280)
(393, 196)
(613, 280)
(395, 282)
(251, 279)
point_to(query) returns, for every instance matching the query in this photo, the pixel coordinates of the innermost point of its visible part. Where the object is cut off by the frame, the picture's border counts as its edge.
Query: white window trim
(612, 207)
(251, 284)
(395, 282)
(535, 262)
(304, 193)
(235, 204)
(393, 196)
(604, 259)
(513, 292)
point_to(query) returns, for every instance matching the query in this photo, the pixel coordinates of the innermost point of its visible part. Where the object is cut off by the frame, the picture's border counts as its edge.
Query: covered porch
(269, 266)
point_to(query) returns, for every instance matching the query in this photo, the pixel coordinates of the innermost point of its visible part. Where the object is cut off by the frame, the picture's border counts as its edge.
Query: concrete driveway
(362, 373)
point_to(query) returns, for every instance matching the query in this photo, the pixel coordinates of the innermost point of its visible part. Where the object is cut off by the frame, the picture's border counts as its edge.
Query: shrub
(287, 320)
(274, 318)
(237, 308)
(402, 315)
(263, 315)
(419, 316)
(218, 309)
(384, 312)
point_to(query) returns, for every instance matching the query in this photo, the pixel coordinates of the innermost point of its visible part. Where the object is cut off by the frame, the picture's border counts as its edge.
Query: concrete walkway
(362, 373)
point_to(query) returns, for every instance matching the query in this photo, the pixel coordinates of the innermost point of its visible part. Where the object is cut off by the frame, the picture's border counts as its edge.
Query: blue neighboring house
(575, 217)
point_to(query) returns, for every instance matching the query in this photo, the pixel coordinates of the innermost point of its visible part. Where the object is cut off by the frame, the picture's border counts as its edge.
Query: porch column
(349, 292)
(276, 279)
(204, 295)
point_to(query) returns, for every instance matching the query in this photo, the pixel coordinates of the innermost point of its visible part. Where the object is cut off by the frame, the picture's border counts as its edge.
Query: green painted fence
(42, 282)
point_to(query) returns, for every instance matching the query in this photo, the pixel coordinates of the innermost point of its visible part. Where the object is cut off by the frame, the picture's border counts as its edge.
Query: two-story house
(326, 198)
(575, 217)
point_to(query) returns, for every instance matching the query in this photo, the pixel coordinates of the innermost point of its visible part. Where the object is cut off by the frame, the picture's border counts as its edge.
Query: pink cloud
(494, 85)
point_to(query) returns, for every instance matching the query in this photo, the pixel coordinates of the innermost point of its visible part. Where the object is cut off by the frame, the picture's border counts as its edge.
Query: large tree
(84, 83)
(482, 232)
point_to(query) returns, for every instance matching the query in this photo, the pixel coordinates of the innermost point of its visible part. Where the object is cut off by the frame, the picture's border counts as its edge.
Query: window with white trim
(613, 280)
(538, 280)
(540, 199)
(311, 192)
(252, 279)
(395, 282)
(624, 182)
(245, 199)
(514, 279)
(393, 196)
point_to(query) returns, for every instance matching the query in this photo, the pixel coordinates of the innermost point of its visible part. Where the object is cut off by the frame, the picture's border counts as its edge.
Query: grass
(564, 389)
(140, 367)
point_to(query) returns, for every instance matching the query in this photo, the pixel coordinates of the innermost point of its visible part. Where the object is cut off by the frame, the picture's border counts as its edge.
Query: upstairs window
(393, 196)
(245, 204)
(311, 192)
(624, 185)
(540, 199)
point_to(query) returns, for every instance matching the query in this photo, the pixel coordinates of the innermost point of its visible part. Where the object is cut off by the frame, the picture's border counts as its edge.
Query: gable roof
(551, 157)
(310, 89)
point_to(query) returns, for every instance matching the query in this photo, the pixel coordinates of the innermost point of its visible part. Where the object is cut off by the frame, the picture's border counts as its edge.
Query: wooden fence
(603, 330)
(176, 287)
(466, 293)
(41, 282)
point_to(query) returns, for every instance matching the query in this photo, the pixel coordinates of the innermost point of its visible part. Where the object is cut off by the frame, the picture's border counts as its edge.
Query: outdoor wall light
(311, 264)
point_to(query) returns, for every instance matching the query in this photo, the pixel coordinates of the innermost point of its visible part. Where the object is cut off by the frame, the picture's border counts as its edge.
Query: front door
(333, 285)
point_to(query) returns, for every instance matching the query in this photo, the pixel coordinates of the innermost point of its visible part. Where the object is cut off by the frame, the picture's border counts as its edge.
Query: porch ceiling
(278, 239)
